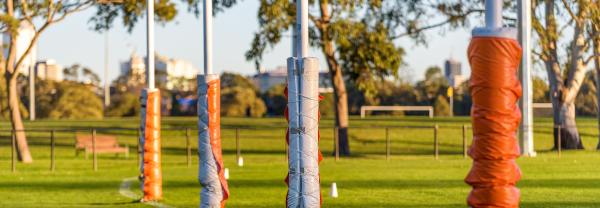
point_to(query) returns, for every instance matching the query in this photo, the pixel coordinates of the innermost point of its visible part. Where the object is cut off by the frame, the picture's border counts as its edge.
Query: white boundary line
(125, 191)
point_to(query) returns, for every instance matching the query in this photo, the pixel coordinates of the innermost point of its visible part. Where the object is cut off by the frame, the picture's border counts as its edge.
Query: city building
(453, 72)
(49, 70)
(266, 79)
(26, 34)
(173, 74)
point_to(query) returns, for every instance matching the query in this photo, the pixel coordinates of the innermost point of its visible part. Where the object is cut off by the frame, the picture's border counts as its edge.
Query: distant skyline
(72, 41)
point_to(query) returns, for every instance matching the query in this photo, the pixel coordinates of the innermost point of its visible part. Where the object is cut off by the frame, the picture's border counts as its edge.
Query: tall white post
(526, 102)
(493, 13)
(150, 44)
(31, 90)
(106, 81)
(302, 28)
(208, 37)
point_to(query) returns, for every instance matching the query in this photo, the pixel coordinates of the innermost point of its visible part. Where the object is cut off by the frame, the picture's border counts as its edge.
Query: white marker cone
(226, 173)
(334, 192)
(241, 161)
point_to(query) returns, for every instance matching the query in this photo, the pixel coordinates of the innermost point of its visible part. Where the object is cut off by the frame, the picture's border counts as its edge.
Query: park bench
(104, 144)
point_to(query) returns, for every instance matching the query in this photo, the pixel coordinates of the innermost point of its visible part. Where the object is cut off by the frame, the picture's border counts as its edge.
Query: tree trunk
(11, 72)
(596, 45)
(337, 79)
(17, 121)
(341, 111)
(565, 120)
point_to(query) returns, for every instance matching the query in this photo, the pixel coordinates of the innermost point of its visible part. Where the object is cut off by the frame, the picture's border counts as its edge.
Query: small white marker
(226, 173)
(241, 161)
(334, 192)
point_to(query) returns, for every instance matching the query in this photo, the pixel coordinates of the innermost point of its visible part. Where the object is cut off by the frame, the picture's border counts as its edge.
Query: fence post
(559, 148)
(139, 151)
(238, 151)
(387, 143)
(436, 149)
(188, 147)
(464, 134)
(52, 146)
(95, 163)
(13, 151)
(336, 143)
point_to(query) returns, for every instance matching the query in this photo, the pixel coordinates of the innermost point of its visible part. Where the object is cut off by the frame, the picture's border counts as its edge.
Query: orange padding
(214, 126)
(287, 138)
(152, 167)
(495, 90)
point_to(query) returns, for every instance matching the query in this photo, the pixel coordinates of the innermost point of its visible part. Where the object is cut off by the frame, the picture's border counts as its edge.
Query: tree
(124, 104)
(540, 90)
(565, 74)
(595, 34)
(44, 14)
(77, 102)
(441, 106)
(355, 37)
(566, 64)
(90, 77)
(71, 73)
(239, 97)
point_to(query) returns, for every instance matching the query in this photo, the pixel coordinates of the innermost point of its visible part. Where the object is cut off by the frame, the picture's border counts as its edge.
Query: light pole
(106, 81)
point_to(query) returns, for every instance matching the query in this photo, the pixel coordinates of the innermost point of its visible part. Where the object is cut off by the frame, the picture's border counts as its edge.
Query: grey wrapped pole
(304, 156)
(210, 169)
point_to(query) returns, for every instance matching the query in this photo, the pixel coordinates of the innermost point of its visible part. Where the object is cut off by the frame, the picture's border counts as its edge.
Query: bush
(441, 106)
(77, 102)
(275, 100)
(124, 104)
(241, 101)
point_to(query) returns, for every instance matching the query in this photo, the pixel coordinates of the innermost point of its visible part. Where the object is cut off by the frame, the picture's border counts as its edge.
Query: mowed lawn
(411, 178)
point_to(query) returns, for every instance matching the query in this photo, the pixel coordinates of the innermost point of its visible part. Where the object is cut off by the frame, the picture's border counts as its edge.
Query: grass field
(411, 178)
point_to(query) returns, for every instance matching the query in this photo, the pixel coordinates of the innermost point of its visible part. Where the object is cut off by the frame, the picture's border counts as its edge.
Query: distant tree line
(80, 97)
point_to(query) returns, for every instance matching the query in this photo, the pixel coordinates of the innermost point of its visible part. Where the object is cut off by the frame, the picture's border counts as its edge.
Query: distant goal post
(364, 109)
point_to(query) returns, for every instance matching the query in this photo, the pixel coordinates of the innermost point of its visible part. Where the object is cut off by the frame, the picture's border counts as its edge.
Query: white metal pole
(302, 28)
(31, 89)
(493, 13)
(106, 81)
(526, 102)
(208, 37)
(150, 43)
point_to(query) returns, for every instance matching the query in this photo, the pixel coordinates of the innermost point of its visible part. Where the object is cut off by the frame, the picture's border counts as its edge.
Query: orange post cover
(152, 159)
(495, 90)
(214, 125)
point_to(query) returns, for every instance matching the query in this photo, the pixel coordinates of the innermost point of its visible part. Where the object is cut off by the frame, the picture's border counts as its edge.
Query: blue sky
(72, 41)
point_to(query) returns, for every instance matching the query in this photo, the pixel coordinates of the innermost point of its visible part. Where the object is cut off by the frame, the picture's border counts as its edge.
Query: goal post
(364, 109)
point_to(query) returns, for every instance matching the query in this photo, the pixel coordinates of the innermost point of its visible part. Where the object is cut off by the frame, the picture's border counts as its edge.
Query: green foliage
(434, 84)
(232, 79)
(326, 105)
(366, 53)
(586, 103)
(77, 102)
(239, 101)
(239, 97)
(275, 100)
(541, 90)
(124, 104)
(441, 106)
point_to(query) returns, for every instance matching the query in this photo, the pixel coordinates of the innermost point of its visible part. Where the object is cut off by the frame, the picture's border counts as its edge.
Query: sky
(72, 41)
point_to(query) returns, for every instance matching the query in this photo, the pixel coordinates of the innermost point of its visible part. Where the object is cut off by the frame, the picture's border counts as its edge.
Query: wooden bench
(104, 144)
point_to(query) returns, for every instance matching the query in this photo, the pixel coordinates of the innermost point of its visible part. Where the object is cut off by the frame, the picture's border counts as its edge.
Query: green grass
(412, 178)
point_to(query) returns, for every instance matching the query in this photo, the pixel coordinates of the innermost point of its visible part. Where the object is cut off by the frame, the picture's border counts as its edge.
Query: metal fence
(236, 134)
